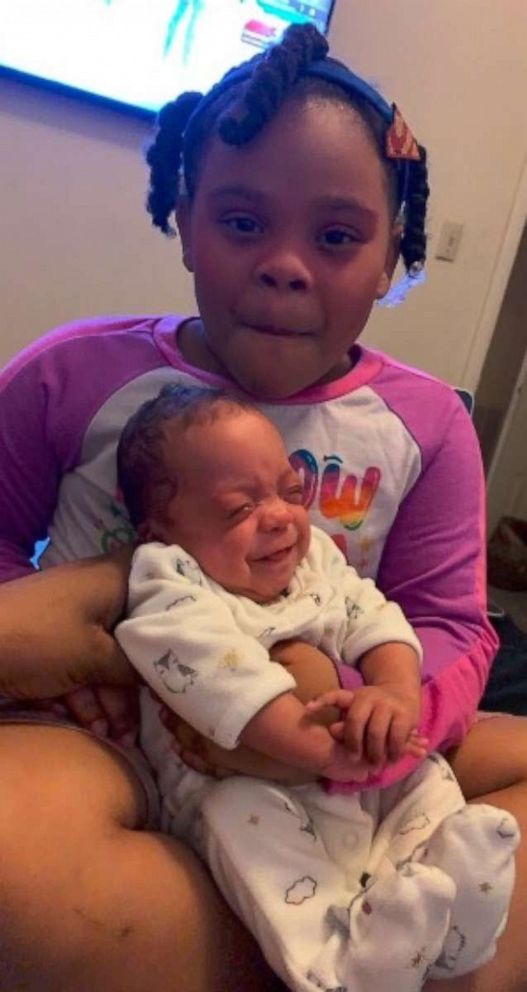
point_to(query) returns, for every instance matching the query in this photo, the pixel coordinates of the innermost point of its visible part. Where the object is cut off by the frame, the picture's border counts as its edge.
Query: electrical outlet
(449, 239)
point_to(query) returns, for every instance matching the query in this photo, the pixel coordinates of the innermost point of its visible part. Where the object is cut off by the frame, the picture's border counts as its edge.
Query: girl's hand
(56, 629)
(378, 724)
(107, 710)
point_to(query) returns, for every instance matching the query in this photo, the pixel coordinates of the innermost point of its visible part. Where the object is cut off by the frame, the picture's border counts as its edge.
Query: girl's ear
(392, 257)
(183, 226)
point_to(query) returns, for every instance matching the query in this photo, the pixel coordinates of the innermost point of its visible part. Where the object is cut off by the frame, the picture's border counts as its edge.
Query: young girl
(295, 186)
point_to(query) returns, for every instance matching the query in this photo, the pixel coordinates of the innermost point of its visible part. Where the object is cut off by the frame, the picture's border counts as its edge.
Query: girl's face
(290, 239)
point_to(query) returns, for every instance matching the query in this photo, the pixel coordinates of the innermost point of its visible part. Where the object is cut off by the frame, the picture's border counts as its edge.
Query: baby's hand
(378, 724)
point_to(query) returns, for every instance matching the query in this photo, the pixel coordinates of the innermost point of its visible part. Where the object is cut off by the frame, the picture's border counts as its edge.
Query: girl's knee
(58, 782)
(492, 757)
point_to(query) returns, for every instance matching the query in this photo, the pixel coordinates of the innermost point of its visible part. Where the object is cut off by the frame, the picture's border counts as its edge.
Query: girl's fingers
(121, 709)
(108, 711)
(87, 710)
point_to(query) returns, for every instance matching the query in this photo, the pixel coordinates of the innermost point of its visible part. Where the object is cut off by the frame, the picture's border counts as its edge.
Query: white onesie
(340, 890)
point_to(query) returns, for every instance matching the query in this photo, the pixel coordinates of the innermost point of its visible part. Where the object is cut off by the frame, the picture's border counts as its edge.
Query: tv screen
(141, 53)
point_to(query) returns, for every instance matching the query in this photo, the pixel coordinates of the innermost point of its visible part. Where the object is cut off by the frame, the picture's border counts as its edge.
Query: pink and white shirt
(388, 456)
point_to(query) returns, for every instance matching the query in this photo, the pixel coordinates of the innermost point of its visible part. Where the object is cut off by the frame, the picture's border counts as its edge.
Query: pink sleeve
(30, 468)
(49, 394)
(433, 565)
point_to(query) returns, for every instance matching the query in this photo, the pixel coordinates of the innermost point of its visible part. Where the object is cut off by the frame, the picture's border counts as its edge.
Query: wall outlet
(449, 239)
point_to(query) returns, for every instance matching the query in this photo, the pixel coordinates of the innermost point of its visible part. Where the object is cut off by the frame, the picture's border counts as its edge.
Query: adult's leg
(491, 766)
(89, 901)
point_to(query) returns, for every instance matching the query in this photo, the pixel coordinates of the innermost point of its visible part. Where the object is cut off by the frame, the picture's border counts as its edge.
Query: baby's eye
(295, 494)
(241, 224)
(337, 237)
(239, 512)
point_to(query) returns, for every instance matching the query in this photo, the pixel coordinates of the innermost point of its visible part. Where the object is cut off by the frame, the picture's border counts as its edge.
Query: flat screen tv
(140, 53)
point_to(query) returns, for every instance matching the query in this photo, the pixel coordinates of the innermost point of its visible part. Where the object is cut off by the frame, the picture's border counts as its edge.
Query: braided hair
(241, 104)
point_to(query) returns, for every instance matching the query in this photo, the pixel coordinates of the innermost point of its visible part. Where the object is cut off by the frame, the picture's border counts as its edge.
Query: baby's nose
(277, 513)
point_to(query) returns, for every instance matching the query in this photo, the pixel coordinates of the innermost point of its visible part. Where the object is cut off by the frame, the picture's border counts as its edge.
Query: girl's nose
(284, 272)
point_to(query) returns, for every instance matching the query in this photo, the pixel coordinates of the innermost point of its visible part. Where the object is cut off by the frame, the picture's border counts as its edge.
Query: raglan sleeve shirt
(433, 565)
(433, 560)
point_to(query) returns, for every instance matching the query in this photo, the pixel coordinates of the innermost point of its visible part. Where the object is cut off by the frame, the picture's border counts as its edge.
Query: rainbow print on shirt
(345, 498)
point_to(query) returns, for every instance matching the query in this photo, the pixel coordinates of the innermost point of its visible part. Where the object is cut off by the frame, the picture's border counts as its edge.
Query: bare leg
(91, 902)
(491, 765)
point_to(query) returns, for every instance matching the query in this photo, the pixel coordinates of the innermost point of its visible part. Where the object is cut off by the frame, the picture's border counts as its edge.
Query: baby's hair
(142, 475)
(239, 106)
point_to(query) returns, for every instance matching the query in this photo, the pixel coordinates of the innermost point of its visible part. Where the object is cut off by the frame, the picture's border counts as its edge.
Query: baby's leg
(310, 915)
(476, 848)
(398, 917)
(89, 900)
(473, 845)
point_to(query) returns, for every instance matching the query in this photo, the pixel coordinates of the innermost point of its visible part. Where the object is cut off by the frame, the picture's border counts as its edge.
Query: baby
(340, 887)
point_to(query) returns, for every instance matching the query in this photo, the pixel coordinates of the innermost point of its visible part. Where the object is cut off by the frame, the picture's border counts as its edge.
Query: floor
(514, 603)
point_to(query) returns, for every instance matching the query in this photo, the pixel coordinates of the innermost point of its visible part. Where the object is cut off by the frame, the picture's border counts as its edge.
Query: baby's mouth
(280, 555)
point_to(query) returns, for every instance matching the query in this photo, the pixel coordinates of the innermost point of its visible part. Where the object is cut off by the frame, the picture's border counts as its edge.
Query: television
(138, 54)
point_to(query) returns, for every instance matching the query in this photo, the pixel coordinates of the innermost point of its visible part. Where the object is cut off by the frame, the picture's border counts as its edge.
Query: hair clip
(397, 294)
(400, 142)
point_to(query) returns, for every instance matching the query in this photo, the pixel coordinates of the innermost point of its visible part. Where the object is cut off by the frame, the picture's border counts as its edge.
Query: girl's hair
(239, 106)
(144, 481)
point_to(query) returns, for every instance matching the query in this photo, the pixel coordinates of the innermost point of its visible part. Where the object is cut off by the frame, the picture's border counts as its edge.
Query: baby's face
(238, 507)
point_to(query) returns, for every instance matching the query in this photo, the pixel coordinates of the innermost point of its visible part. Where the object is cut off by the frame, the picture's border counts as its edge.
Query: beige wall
(76, 240)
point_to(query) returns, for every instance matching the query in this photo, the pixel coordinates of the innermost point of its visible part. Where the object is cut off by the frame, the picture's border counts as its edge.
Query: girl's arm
(55, 628)
(433, 565)
(31, 463)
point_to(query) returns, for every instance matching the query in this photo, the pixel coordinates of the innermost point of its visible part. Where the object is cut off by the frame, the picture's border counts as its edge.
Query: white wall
(76, 240)
(458, 69)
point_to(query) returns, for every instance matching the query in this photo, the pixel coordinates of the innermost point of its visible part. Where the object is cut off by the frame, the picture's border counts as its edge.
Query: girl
(295, 188)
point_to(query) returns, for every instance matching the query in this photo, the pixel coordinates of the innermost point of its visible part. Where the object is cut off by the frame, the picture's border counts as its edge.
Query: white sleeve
(372, 620)
(182, 638)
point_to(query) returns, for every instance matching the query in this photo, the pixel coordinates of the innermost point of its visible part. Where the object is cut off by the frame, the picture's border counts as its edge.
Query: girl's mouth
(275, 331)
(278, 332)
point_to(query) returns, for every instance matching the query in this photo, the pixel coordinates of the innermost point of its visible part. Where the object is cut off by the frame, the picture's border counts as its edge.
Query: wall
(459, 71)
(77, 242)
(505, 356)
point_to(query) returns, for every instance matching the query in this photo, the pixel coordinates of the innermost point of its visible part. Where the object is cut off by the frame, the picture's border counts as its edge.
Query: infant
(342, 888)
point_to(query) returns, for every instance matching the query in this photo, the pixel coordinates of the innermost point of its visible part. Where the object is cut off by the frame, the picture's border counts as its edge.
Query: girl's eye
(241, 224)
(337, 237)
